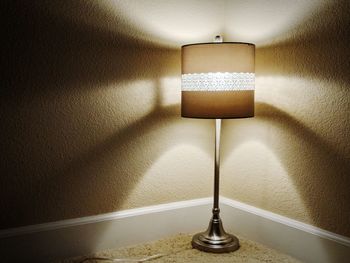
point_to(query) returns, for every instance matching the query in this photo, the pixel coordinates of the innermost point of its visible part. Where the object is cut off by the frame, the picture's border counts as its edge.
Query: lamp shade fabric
(218, 80)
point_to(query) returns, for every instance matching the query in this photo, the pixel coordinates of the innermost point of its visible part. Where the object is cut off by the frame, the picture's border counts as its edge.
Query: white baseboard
(67, 238)
(300, 240)
(57, 240)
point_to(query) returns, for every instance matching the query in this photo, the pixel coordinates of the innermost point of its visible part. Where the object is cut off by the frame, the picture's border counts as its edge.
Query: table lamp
(217, 82)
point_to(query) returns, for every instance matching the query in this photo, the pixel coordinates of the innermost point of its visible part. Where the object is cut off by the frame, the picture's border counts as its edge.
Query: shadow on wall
(317, 161)
(78, 114)
(322, 174)
(322, 178)
(319, 48)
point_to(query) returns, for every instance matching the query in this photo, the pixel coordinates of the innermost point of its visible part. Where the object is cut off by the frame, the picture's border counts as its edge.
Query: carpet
(178, 249)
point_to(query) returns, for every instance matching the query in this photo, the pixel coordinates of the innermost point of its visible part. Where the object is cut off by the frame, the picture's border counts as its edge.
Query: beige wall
(90, 119)
(87, 126)
(294, 157)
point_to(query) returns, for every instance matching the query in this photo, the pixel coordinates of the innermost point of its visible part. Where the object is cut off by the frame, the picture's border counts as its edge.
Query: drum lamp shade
(218, 80)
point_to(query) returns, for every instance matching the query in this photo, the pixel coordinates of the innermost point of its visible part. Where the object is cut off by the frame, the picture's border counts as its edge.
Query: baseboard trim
(67, 238)
(302, 241)
(11, 232)
(287, 221)
(81, 236)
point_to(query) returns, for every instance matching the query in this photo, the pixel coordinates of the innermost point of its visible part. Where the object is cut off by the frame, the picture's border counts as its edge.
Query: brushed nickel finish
(215, 239)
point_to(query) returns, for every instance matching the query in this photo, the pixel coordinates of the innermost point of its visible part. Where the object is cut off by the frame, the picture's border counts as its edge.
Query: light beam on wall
(264, 21)
(173, 23)
(266, 177)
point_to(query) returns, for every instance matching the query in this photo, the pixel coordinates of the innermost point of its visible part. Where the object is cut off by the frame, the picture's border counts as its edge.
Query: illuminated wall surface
(90, 114)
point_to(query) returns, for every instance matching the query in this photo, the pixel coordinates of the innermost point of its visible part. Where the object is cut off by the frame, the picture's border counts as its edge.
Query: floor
(178, 249)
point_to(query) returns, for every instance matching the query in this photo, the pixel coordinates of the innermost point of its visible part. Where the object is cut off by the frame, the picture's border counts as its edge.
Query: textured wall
(86, 124)
(90, 119)
(294, 157)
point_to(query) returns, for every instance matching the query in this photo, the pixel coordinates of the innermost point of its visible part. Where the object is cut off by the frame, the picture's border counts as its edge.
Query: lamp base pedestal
(215, 239)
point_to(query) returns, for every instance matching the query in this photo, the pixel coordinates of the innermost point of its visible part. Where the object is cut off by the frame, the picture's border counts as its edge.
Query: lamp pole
(217, 165)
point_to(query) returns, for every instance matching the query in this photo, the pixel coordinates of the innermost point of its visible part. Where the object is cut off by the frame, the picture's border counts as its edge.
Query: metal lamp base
(215, 239)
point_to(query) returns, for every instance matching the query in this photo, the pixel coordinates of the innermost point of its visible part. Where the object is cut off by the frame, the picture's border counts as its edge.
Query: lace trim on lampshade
(218, 81)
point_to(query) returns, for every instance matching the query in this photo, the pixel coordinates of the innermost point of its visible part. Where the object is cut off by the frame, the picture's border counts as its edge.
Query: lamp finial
(218, 39)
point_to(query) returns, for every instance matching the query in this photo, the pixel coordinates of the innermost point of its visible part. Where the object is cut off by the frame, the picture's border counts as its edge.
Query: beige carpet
(178, 249)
